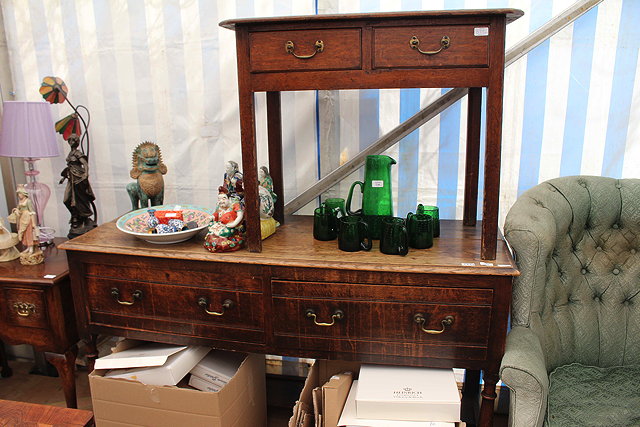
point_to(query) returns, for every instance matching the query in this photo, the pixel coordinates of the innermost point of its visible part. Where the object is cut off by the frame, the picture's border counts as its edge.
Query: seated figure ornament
(226, 229)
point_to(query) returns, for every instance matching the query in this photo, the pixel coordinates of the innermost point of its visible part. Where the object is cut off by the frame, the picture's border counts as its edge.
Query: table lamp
(28, 132)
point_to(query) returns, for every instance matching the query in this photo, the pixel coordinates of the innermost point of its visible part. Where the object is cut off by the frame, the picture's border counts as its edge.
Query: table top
(511, 14)
(21, 413)
(51, 271)
(456, 251)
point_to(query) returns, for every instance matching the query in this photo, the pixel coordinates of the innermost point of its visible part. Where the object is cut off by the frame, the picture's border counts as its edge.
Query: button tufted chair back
(577, 245)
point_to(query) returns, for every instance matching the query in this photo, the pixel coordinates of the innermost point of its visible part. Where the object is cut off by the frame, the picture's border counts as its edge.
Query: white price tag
(468, 264)
(377, 183)
(481, 31)
(49, 276)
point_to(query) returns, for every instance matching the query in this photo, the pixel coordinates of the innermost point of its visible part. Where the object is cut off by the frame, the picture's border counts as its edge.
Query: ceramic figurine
(233, 181)
(268, 198)
(147, 170)
(226, 229)
(8, 242)
(24, 216)
(78, 195)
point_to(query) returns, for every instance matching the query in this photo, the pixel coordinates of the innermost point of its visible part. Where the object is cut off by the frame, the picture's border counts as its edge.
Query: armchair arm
(524, 371)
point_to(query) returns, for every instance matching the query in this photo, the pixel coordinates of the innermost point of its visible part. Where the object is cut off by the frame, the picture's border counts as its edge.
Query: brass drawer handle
(289, 48)
(337, 315)
(204, 303)
(420, 319)
(137, 295)
(445, 42)
(24, 309)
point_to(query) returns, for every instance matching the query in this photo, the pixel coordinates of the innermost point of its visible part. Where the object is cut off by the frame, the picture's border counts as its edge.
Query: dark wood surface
(271, 293)
(49, 324)
(32, 414)
(369, 51)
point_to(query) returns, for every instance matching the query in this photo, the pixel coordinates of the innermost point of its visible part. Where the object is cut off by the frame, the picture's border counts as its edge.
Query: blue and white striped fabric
(164, 71)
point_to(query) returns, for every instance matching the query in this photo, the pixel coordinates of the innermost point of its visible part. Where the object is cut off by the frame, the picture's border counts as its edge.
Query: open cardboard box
(320, 373)
(242, 402)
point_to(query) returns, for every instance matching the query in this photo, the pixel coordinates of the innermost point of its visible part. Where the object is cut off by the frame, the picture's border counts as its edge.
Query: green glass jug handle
(349, 211)
(403, 248)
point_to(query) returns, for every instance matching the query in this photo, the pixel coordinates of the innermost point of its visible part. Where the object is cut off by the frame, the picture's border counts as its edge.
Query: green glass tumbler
(434, 213)
(325, 223)
(394, 239)
(420, 229)
(336, 203)
(353, 234)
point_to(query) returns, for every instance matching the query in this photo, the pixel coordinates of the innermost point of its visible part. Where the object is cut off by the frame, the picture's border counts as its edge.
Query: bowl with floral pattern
(135, 223)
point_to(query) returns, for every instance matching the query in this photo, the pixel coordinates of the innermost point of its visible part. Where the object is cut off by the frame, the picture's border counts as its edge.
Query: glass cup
(325, 223)
(434, 213)
(353, 234)
(394, 238)
(420, 229)
(336, 203)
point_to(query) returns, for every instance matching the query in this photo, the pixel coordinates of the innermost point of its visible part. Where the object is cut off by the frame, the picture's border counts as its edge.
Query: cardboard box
(407, 393)
(319, 374)
(165, 366)
(119, 402)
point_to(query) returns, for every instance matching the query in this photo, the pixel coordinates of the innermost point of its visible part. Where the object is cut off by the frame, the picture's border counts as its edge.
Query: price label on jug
(377, 183)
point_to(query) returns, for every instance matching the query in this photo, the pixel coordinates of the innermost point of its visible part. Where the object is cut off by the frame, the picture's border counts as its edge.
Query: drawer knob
(337, 315)
(204, 303)
(24, 309)
(420, 320)
(137, 295)
(289, 47)
(445, 42)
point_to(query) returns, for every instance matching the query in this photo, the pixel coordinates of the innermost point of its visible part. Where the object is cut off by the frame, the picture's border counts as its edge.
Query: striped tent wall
(164, 71)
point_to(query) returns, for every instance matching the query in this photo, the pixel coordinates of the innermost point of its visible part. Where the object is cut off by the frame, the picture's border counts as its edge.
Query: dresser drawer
(381, 316)
(467, 46)
(180, 303)
(25, 307)
(341, 50)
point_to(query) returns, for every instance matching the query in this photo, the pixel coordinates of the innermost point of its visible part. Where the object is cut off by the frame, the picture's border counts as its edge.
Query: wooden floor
(25, 387)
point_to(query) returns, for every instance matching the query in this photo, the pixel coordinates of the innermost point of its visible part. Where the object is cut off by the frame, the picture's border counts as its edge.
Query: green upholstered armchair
(572, 356)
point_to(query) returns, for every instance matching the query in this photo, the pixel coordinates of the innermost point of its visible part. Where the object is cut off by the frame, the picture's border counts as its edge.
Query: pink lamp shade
(28, 130)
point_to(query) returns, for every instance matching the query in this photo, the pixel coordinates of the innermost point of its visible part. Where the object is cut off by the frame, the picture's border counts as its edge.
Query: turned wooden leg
(66, 366)
(488, 398)
(4, 363)
(92, 352)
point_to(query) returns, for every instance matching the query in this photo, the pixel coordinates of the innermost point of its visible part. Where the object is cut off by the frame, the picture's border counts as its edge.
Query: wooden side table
(36, 308)
(31, 414)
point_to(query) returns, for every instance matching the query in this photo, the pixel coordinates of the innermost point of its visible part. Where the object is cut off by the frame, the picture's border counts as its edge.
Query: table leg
(92, 351)
(274, 131)
(470, 397)
(4, 363)
(472, 165)
(488, 399)
(66, 366)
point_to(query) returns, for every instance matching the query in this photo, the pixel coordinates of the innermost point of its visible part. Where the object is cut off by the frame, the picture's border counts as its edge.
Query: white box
(203, 385)
(407, 393)
(218, 366)
(177, 363)
(348, 416)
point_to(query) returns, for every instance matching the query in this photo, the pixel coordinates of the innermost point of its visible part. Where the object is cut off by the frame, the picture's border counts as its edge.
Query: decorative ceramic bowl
(135, 223)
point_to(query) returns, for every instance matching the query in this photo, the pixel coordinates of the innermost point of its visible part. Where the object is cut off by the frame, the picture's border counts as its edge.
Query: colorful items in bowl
(136, 223)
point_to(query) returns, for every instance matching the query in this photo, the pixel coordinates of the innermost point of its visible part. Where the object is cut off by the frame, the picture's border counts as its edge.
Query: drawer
(466, 46)
(25, 307)
(172, 303)
(341, 50)
(381, 317)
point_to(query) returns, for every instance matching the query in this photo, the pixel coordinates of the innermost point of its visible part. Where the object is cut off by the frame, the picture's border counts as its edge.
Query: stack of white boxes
(215, 370)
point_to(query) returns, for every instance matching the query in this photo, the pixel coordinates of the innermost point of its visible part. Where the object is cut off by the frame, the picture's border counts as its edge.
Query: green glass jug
(377, 198)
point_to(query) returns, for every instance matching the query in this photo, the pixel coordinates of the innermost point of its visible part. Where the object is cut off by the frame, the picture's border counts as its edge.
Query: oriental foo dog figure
(147, 170)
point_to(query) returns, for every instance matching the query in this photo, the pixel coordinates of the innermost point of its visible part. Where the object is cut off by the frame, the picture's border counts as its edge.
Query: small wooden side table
(36, 308)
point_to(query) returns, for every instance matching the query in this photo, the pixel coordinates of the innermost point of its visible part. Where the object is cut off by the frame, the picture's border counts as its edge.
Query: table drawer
(180, 303)
(341, 50)
(468, 46)
(380, 312)
(25, 307)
